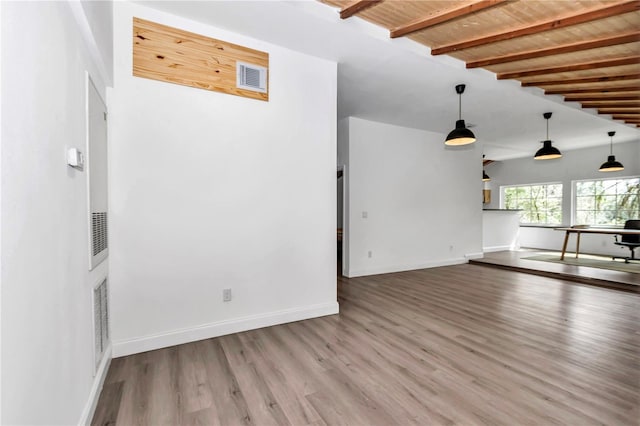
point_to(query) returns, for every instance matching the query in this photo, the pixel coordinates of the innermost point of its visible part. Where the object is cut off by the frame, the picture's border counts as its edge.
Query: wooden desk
(618, 231)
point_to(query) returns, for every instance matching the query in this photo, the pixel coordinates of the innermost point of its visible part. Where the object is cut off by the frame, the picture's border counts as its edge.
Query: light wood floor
(516, 260)
(454, 345)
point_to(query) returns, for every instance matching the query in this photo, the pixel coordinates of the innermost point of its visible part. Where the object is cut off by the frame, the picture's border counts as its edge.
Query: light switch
(365, 215)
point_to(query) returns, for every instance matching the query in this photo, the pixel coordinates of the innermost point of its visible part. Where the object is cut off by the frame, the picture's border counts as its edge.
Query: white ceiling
(397, 81)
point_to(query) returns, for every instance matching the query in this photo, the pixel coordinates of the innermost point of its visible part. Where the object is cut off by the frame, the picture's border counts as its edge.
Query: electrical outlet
(226, 295)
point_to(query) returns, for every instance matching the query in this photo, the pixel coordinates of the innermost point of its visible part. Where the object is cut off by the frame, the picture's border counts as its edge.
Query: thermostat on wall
(75, 158)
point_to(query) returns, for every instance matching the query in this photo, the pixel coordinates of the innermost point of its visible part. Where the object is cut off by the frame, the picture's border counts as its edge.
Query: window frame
(574, 198)
(528, 224)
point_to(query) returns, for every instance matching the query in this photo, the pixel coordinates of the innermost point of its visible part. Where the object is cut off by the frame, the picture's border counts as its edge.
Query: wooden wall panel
(175, 56)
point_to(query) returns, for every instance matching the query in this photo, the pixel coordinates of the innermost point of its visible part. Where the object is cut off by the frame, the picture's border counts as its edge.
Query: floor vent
(99, 232)
(251, 77)
(100, 320)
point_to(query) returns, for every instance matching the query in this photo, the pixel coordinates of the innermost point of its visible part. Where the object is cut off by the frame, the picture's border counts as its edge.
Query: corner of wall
(96, 389)
(101, 57)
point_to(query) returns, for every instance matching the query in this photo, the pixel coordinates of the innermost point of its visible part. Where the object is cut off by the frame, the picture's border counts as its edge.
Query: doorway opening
(340, 218)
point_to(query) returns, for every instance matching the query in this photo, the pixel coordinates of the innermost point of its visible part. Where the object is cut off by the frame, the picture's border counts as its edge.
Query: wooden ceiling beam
(614, 111)
(357, 7)
(597, 98)
(586, 80)
(595, 90)
(614, 104)
(631, 60)
(553, 24)
(442, 16)
(626, 116)
(566, 48)
(623, 109)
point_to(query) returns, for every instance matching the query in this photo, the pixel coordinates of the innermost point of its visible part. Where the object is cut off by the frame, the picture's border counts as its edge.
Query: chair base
(628, 258)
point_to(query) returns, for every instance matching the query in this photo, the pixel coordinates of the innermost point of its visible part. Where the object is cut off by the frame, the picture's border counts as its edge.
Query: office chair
(631, 241)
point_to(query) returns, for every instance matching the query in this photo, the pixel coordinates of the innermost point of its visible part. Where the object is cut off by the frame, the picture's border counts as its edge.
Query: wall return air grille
(251, 77)
(99, 232)
(100, 320)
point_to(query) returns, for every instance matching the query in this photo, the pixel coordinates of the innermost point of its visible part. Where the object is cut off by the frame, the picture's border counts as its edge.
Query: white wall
(422, 199)
(94, 19)
(574, 165)
(47, 342)
(500, 230)
(212, 191)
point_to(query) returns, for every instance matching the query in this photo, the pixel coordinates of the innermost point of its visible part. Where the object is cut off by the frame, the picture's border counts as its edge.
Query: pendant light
(611, 165)
(547, 152)
(460, 135)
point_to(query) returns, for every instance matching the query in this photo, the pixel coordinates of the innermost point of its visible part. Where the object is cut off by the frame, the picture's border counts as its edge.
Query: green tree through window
(540, 204)
(607, 202)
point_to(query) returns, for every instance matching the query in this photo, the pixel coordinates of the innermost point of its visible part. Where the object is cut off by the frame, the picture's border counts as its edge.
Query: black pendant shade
(485, 177)
(611, 165)
(460, 135)
(548, 151)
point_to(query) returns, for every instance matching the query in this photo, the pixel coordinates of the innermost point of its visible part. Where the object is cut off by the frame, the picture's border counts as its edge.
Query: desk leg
(564, 246)
(577, 243)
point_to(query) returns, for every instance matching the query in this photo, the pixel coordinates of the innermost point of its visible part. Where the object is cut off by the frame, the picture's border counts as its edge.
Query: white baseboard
(402, 268)
(496, 248)
(478, 255)
(221, 328)
(96, 389)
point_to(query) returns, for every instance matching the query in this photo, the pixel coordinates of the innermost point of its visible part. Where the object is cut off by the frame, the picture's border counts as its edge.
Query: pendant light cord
(611, 146)
(547, 129)
(460, 106)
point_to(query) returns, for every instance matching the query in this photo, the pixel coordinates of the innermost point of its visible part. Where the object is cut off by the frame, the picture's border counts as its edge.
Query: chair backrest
(631, 224)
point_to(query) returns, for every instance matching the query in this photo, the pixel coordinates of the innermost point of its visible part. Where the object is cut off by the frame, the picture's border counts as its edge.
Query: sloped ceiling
(587, 51)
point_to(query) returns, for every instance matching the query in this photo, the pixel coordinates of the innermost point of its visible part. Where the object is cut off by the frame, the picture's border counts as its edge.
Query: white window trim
(574, 195)
(548, 225)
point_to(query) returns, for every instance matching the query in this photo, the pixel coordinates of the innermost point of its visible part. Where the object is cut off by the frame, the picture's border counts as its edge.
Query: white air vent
(99, 232)
(251, 77)
(100, 320)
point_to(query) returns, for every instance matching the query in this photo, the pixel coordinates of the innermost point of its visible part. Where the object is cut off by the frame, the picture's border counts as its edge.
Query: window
(606, 201)
(540, 204)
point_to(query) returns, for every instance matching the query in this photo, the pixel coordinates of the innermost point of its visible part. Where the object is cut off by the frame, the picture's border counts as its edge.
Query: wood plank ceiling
(586, 50)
